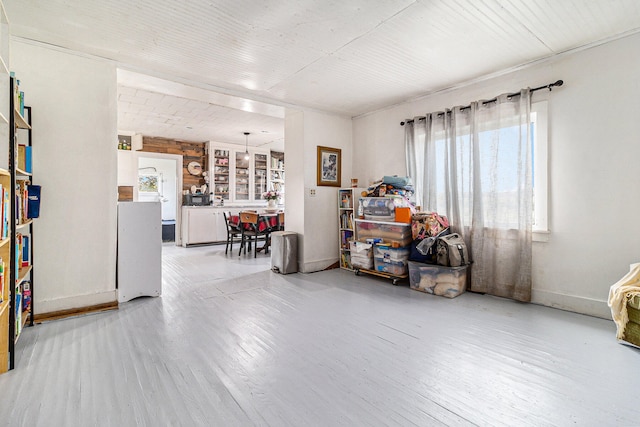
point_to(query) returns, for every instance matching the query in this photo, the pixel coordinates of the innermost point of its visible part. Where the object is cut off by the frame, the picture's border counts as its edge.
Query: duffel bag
(452, 251)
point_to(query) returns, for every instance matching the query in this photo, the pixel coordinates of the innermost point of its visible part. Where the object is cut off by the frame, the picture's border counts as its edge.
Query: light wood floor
(232, 344)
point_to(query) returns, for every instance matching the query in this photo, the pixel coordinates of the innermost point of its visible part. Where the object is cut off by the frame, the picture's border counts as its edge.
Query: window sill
(540, 236)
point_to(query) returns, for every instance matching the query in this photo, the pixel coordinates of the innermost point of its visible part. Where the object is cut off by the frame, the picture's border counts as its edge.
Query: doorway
(159, 178)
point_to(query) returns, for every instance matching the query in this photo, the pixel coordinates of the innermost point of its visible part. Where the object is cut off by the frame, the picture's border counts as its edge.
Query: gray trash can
(284, 252)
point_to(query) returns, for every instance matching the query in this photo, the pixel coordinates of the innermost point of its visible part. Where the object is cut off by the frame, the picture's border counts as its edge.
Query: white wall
(315, 218)
(593, 174)
(74, 138)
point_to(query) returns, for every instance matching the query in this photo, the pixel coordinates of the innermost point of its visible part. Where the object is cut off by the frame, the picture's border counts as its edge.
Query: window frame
(540, 122)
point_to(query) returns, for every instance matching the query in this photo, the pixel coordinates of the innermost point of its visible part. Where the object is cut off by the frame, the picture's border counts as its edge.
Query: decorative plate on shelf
(194, 168)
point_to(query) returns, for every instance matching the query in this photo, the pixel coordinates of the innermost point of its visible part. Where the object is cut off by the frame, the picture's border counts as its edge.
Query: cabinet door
(242, 176)
(221, 226)
(202, 226)
(260, 175)
(221, 176)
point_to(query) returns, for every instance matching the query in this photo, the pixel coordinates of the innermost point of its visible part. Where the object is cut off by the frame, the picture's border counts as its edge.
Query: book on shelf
(1, 279)
(27, 159)
(347, 236)
(33, 204)
(346, 220)
(6, 212)
(18, 246)
(26, 251)
(345, 260)
(3, 214)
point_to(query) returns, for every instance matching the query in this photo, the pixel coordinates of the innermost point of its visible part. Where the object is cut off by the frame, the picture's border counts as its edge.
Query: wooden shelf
(24, 224)
(22, 274)
(4, 242)
(21, 123)
(22, 173)
(25, 316)
(3, 306)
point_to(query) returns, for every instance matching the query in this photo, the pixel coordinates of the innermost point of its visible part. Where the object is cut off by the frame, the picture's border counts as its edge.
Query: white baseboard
(582, 305)
(76, 301)
(313, 266)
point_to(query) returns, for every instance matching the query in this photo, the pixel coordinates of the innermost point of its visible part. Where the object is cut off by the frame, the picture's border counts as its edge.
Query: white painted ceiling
(344, 56)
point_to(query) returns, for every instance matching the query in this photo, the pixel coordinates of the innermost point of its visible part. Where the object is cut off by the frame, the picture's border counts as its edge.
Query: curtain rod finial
(557, 83)
(401, 123)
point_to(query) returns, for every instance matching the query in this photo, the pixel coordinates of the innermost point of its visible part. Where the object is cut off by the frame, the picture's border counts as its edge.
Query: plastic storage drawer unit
(395, 233)
(361, 255)
(388, 259)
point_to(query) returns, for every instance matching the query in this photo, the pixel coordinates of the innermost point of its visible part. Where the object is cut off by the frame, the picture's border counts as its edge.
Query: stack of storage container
(425, 274)
(389, 240)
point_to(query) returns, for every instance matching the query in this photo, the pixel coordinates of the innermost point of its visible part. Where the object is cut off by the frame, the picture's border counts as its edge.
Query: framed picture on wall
(329, 166)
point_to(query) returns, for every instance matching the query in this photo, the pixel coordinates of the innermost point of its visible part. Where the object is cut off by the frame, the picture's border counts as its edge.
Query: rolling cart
(390, 258)
(395, 279)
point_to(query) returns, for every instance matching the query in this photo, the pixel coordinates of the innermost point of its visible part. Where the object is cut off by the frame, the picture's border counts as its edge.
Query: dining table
(266, 221)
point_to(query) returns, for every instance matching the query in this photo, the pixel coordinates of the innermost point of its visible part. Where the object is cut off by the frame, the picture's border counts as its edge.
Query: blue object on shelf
(33, 202)
(27, 159)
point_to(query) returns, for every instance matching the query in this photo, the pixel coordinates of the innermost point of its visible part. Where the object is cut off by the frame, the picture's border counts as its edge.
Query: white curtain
(477, 170)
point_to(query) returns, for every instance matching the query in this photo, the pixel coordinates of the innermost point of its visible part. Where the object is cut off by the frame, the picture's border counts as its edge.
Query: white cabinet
(139, 250)
(204, 224)
(240, 177)
(199, 225)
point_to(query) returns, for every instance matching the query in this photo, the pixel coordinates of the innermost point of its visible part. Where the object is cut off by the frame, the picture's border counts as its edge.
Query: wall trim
(73, 302)
(63, 314)
(576, 304)
(315, 266)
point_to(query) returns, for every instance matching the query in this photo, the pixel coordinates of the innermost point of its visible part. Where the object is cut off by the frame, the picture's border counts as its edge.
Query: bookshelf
(19, 266)
(5, 293)
(348, 200)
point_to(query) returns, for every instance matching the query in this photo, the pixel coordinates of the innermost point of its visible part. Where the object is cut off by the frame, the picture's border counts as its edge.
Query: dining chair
(233, 232)
(251, 232)
(280, 225)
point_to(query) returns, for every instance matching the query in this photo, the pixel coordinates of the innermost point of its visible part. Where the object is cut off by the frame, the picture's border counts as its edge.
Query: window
(504, 182)
(148, 183)
(539, 125)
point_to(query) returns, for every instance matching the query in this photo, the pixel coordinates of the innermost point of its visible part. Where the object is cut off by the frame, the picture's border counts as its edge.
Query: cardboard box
(438, 280)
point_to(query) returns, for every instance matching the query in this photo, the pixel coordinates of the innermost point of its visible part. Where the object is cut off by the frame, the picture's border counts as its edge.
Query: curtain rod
(549, 86)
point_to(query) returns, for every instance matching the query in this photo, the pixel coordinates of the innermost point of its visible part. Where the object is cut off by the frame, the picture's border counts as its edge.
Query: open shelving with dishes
(260, 175)
(221, 176)
(276, 176)
(240, 175)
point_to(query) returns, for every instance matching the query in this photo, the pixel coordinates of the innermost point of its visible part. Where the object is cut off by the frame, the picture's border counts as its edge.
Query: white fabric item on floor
(619, 293)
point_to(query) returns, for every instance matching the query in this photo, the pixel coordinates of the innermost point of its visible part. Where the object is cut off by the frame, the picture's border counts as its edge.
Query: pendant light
(246, 145)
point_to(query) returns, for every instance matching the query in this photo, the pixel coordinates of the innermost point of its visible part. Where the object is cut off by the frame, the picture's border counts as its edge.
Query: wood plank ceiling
(348, 57)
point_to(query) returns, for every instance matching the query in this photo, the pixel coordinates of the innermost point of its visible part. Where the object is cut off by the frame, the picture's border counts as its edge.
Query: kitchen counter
(206, 225)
